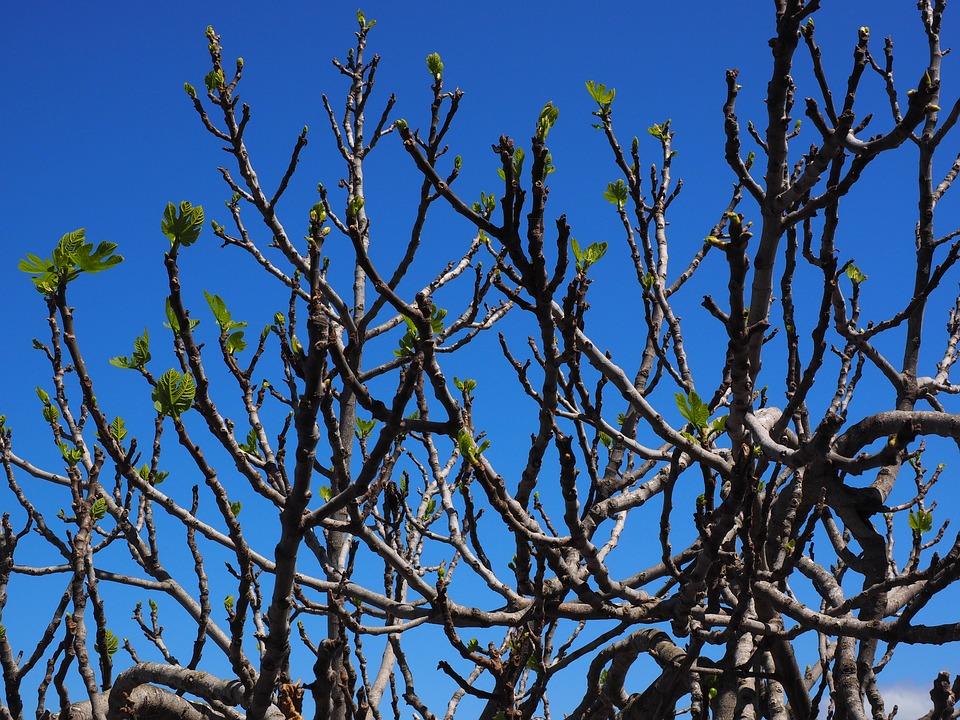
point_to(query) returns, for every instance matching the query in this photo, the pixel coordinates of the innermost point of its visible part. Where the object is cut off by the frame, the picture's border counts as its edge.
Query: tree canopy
(723, 498)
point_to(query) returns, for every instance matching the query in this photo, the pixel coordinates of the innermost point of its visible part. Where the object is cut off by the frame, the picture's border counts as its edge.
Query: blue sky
(96, 132)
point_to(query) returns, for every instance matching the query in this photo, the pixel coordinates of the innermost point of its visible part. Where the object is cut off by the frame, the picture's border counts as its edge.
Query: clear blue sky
(96, 132)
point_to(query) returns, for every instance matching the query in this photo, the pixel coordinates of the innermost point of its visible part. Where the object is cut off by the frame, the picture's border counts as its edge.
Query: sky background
(95, 131)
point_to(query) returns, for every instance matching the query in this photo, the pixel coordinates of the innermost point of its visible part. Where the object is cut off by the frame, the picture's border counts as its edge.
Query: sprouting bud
(239, 64)
(864, 32)
(306, 129)
(435, 65)
(210, 32)
(318, 213)
(190, 90)
(400, 124)
(457, 162)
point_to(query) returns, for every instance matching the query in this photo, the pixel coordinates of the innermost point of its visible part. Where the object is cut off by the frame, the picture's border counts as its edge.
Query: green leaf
(468, 446)
(325, 492)
(118, 428)
(140, 357)
(605, 440)
(355, 205)
(428, 510)
(600, 94)
(692, 409)
(473, 644)
(603, 677)
(111, 641)
(719, 425)
(435, 65)
(921, 521)
(231, 330)
(50, 413)
(235, 343)
(365, 427)
(364, 23)
(250, 444)
(172, 322)
(585, 257)
(547, 119)
(616, 193)
(71, 256)
(219, 309)
(517, 164)
(661, 131)
(855, 274)
(99, 508)
(235, 507)
(174, 393)
(154, 478)
(228, 603)
(182, 225)
(71, 455)
(436, 320)
(466, 386)
(214, 80)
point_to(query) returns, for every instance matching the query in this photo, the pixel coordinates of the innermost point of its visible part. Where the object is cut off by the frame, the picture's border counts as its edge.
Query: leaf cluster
(71, 256)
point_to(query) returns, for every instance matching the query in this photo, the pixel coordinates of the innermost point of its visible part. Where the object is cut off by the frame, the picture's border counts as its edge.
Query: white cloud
(913, 700)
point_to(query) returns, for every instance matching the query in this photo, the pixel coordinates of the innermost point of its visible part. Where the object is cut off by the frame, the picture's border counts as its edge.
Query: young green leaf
(71, 455)
(118, 429)
(428, 510)
(435, 65)
(172, 323)
(465, 386)
(235, 507)
(855, 274)
(249, 445)
(365, 427)
(174, 393)
(600, 94)
(140, 357)
(111, 641)
(661, 131)
(214, 80)
(921, 521)
(182, 225)
(547, 119)
(616, 193)
(585, 257)
(98, 508)
(517, 164)
(71, 256)
(692, 409)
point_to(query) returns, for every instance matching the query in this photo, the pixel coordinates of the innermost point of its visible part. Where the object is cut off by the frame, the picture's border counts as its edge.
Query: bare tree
(387, 501)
